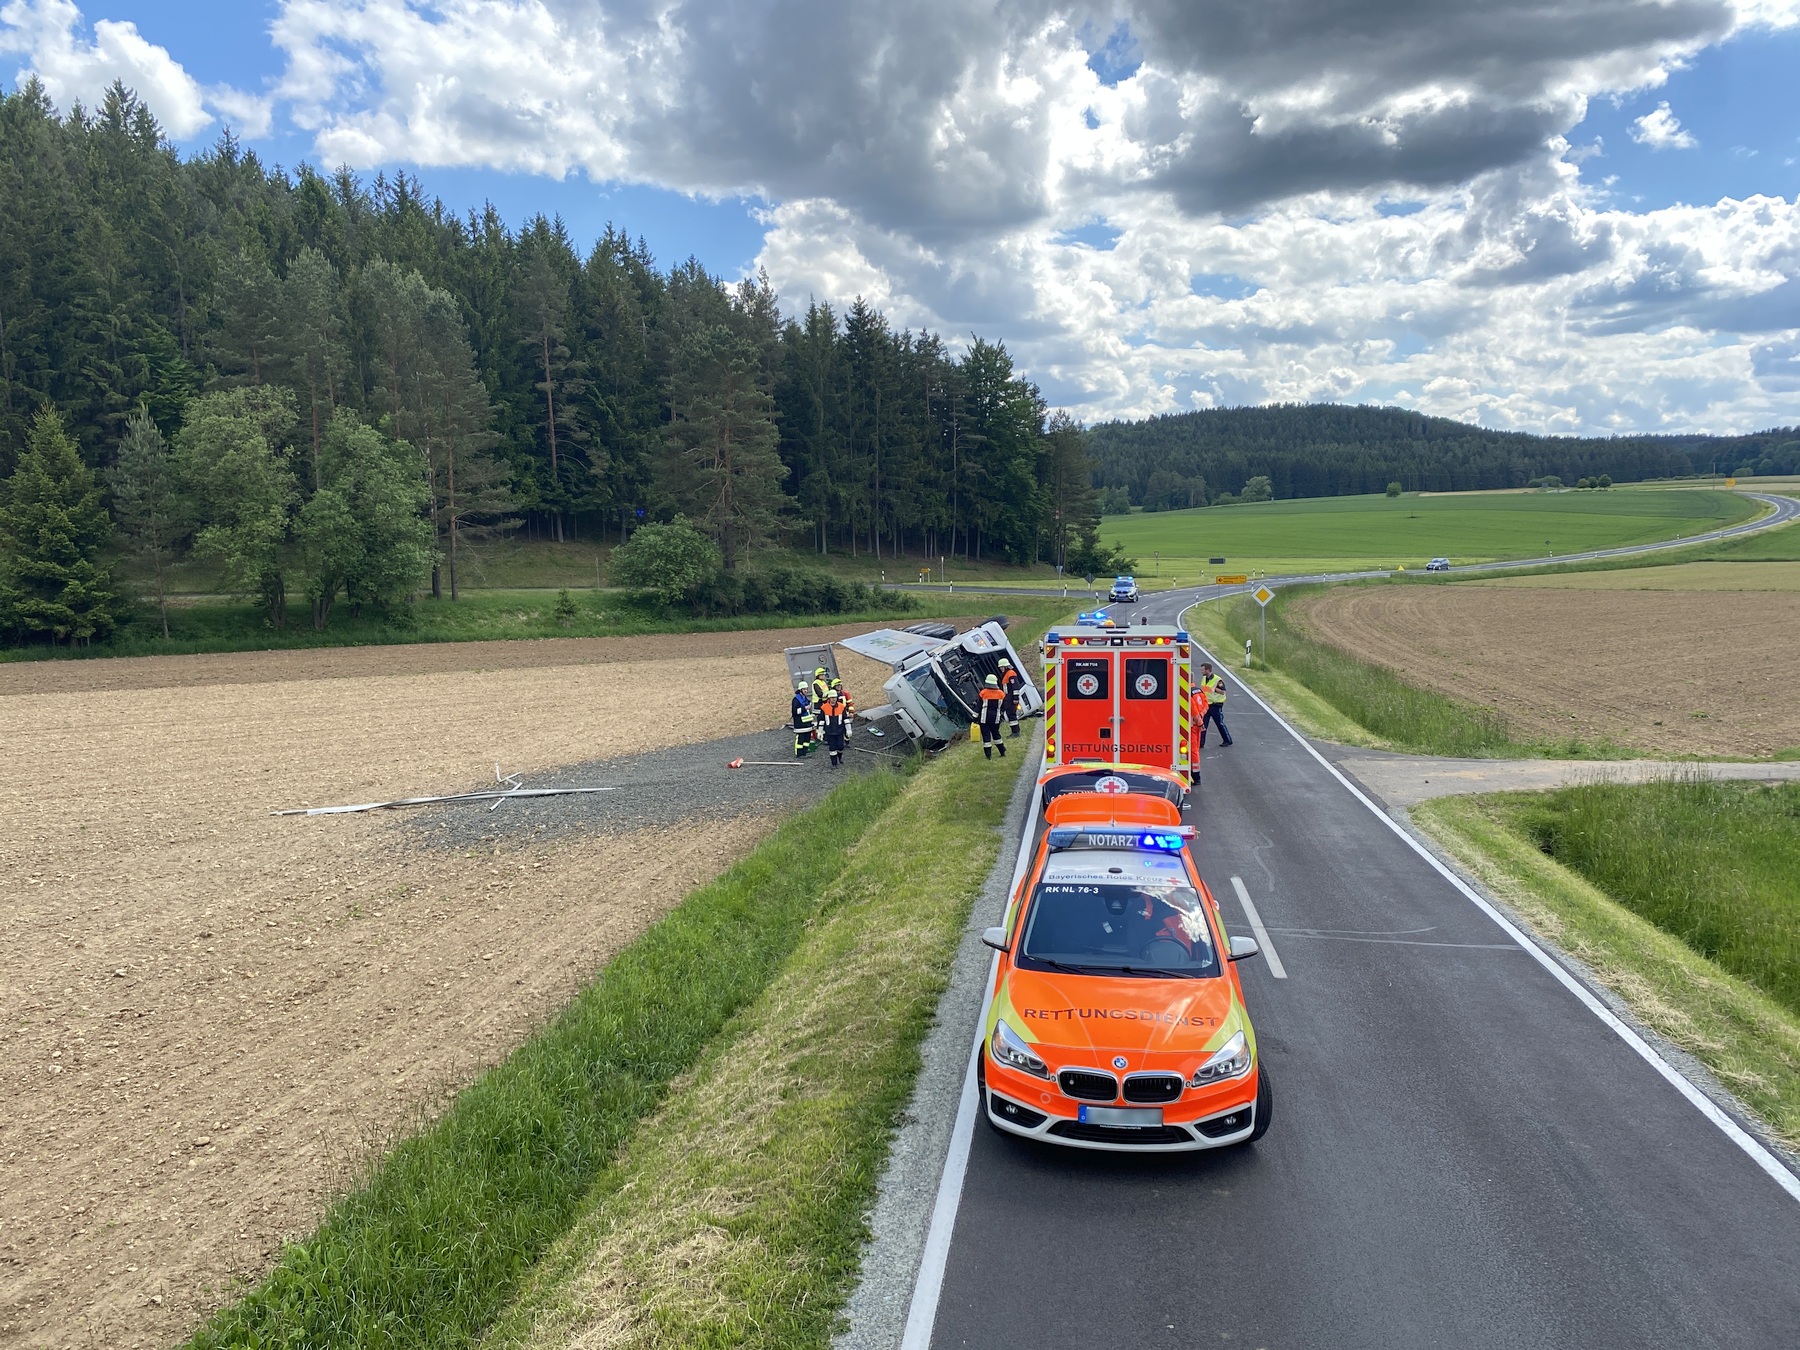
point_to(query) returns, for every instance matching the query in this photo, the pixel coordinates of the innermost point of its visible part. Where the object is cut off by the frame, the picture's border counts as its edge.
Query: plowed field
(210, 1017)
(1688, 672)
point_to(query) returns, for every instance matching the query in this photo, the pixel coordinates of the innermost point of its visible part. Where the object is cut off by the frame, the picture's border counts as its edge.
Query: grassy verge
(1293, 700)
(1780, 544)
(736, 1217)
(437, 1239)
(1747, 1038)
(1397, 713)
(223, 626)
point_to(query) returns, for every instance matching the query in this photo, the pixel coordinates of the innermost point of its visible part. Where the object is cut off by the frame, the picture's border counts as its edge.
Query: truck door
(1147, 711)
(1088, 693)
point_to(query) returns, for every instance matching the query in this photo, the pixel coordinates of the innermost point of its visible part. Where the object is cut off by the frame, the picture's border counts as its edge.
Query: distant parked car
(1124, 591)
(1438, 565)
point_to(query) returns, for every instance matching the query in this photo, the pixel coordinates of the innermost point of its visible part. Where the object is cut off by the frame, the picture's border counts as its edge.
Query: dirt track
(210, 1015)
(1687, 672)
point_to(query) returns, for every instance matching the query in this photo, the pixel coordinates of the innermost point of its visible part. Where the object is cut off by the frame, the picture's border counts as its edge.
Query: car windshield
(1144, 925)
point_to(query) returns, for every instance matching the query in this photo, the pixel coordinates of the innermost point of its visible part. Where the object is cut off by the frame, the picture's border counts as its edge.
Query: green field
(1354, 533)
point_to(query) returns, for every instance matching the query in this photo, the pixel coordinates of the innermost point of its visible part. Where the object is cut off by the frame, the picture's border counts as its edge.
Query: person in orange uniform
(992, 698)
(834, 724)
(1010, 682)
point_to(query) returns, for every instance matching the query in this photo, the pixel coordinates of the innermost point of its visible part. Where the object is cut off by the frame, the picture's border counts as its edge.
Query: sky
(1561, 216)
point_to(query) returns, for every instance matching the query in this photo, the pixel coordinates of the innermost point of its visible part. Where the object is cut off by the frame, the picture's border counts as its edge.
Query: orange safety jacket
(991, 699)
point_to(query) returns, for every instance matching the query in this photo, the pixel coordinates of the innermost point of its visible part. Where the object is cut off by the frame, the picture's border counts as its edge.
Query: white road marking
(1705, 1105)
(928, 1287)
(1256, 926)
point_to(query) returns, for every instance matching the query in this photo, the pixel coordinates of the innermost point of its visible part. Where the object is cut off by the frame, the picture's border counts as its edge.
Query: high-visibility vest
(1214, 688)
(991, 699)
(1010, 682)
(834, 711)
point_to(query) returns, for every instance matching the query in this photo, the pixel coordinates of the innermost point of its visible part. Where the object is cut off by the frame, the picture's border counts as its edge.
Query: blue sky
(1535, 220)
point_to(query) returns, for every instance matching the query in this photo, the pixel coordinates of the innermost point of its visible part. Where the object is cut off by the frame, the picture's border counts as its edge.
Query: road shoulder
(877, 1310)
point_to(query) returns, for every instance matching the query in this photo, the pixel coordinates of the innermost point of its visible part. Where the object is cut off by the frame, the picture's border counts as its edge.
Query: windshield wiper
(1070, 966)
(1157, 971)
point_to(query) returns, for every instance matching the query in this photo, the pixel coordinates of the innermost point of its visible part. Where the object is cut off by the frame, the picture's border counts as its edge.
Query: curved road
(1465, 1153)
(1784, 510)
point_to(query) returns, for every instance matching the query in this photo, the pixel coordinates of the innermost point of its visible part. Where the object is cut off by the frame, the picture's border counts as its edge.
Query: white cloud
(1304, 200)
(47, 34)
(1660, 129)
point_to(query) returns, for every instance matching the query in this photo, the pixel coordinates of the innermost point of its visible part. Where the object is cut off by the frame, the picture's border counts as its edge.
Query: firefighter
(821, 686)
(805, 733)
(1214, 689)
(1010, 684)
(991, 699)
(834, 723)
(837, 687)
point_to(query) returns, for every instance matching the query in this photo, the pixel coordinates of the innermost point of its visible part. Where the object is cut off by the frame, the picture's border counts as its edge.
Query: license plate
(1120, 1115)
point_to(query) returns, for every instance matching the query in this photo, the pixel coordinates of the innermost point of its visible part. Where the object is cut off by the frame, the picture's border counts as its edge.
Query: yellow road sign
(1731, 482)
(1235, 580)
(1263, 595)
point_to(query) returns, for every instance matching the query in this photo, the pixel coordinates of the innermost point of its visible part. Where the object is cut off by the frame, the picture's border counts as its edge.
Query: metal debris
(511, 786)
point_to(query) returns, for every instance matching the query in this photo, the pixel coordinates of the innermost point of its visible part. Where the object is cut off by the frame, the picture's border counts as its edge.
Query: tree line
(335, 388)
(1328, 450)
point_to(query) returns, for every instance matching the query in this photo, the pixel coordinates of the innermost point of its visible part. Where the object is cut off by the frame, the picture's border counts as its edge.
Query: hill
(1331, 450)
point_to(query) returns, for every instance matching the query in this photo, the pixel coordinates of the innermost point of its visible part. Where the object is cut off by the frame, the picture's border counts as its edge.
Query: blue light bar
(1167, 840)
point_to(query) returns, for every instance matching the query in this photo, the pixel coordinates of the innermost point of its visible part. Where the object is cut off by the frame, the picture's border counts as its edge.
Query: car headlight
(1009, 1050)
(1231, 1060)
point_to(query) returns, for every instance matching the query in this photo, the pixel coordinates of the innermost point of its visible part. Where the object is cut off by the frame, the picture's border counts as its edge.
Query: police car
(1117, 1018)
(1124, 591)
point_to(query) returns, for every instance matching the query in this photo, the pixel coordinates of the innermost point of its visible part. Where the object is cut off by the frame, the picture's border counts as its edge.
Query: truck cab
(935, 691)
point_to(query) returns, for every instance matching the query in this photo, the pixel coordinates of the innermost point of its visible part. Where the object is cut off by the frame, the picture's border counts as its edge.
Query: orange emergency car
(1111, 781)
(1117, 1017)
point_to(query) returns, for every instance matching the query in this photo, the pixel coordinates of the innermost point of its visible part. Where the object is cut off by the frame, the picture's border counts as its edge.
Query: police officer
(1214, 688)
(834, 723)
(991, 699)
(804, 723)
(1010, 684)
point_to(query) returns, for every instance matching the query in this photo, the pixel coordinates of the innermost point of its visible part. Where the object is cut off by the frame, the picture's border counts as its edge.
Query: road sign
(1238, 579)
(1731, 482)
(1263, 595)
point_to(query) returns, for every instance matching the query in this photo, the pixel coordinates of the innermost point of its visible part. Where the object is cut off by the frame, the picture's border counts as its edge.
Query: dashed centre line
(1256, 926)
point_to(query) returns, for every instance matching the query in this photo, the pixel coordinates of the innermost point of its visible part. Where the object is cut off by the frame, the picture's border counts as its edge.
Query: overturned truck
(934, 693)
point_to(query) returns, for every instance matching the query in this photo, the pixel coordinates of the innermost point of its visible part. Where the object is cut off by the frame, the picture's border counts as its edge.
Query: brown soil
(209, 1016)
(1710, 673)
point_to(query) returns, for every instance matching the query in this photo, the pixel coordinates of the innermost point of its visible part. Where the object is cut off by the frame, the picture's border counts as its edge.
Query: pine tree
(312, 342)
(52, 528)
(152, 511)
(250, 323)
(726, 469)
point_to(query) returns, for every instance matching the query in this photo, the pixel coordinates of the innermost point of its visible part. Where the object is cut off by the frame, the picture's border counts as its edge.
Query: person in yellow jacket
(992, 697)
(821, 686)
(1214, 689)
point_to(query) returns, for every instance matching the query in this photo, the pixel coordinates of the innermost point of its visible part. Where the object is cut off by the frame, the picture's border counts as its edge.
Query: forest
(1330, 450)
(334, 389)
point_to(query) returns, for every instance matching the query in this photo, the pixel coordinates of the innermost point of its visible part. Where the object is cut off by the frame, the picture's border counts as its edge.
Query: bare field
(209, 1017)
(1698, 576)
(1669, 672)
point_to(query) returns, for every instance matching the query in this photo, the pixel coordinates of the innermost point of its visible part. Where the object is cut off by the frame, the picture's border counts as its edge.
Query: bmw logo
(1119, 1061)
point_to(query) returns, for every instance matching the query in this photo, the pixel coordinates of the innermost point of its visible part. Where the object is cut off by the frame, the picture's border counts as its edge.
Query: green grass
(1781, 544)
(1396, 713)
(1347, 533)
(1714, 864)
(1748, 1039)
(431, 1247)
(227, 626)
(737, 1215)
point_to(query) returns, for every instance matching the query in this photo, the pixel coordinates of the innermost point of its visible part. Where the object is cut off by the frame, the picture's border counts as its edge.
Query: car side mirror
(1242, 947)
(995, 938)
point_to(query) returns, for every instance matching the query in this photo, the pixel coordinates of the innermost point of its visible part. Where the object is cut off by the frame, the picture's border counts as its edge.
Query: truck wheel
(1265, 1101)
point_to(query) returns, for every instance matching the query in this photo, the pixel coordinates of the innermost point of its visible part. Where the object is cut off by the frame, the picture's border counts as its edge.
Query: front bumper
(1217, 1125)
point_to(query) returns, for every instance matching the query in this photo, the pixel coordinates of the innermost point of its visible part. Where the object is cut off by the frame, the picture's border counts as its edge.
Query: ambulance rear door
(1089, 711)
(1147, 728)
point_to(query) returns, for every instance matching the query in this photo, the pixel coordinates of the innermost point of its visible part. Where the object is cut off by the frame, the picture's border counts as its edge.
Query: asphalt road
(1463, 1153)
(1785, 509)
